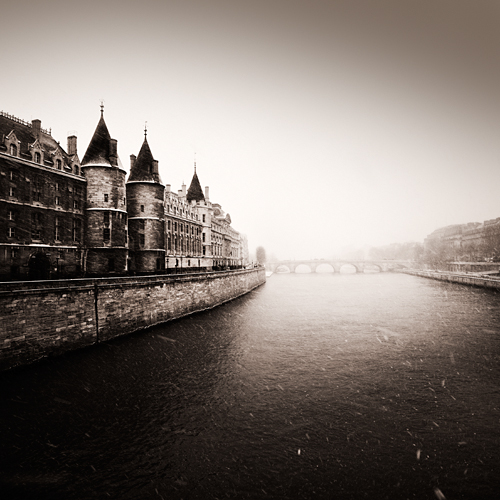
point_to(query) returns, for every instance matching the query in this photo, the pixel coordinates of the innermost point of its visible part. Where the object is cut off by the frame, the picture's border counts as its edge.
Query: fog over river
(313, 386)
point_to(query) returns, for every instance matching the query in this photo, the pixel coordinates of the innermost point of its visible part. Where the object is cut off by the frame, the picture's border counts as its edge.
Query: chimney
(36, 125)
(72, 145)
(206, 193)
(183, 189)
(155, 166)
(113, 152)
(132, 161)
(167, 188)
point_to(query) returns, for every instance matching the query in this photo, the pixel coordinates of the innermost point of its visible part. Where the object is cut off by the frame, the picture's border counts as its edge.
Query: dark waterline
(312, 386)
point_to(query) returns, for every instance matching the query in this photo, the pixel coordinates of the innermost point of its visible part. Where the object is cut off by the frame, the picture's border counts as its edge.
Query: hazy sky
(316, 124)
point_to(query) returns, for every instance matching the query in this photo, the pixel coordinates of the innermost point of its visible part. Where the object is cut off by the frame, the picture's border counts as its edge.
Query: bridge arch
(372, 268)
(303, 268)
(325, 267)
(282, 268)
(349, 268)
(338, 265)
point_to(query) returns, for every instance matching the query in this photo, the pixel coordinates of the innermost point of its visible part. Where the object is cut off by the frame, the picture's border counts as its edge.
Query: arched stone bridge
(360, 265)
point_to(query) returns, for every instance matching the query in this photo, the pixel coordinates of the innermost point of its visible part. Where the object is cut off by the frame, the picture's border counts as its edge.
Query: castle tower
(196, 197)
(145, 206)
(195, 193)
(106, 214)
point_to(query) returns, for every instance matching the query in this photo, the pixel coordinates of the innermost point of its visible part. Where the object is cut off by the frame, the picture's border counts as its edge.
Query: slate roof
(195, 192)
(24, 133)
(143, 168)
(98, 150)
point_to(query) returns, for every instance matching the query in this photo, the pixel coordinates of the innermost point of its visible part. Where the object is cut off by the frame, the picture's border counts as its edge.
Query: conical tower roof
(145, 168)
(195, 192)
(99, 149)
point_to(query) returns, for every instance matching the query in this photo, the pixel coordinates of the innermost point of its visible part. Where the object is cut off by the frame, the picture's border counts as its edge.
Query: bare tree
(438, 253)
(261, 255)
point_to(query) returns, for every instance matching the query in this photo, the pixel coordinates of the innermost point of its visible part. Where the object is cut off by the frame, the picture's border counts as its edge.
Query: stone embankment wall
(38, 319)
(473, 267)
(463, 279)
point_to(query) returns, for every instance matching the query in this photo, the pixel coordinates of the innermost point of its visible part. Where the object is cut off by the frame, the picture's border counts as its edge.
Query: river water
(312, 386)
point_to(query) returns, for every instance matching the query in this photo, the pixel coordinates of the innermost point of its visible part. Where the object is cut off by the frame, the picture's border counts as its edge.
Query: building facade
(43, 195)
(474, 241)
(62, 218)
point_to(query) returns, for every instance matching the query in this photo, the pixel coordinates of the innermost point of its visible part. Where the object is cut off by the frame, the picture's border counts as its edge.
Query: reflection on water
(312, 386)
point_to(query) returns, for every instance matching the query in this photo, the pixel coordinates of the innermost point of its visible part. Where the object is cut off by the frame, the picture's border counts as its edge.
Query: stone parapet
(40, 319)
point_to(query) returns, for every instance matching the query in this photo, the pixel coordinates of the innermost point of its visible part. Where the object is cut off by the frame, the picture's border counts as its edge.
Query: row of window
(58, 186)
(37, 196)
(181, 212)
(14, 253)
(106, 232)
(179, 226)
(37, 158)
(38, 189)
(175, 244)
(36, 229)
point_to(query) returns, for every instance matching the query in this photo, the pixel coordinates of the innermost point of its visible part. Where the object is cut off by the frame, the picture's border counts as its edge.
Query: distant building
(471, 241)
(63, 218)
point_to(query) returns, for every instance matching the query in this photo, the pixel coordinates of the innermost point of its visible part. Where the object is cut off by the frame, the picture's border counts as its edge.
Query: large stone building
(63, 218)
(472, 241)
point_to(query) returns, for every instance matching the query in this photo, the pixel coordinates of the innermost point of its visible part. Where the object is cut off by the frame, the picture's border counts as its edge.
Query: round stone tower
(145, 207)
(106, 214)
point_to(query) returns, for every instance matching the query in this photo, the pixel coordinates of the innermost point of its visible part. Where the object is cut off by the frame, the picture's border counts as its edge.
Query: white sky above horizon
(317, 125)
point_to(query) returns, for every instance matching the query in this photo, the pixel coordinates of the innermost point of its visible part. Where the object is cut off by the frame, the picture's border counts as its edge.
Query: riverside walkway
(472, 279)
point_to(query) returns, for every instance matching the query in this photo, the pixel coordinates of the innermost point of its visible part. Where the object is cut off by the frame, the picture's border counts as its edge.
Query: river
(313, 386)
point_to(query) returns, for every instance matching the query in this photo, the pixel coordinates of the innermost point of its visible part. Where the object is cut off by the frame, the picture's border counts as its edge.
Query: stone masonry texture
(49, 318)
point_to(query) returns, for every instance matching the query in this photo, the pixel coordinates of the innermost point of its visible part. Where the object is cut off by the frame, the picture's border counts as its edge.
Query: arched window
(77, 170)
(38, 157)
(13, 150)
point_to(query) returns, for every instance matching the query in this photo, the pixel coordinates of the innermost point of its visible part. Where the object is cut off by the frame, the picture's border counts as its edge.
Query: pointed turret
(195, 192)
(106, 221)
(146, 212)
(144, 167)
(102, 149)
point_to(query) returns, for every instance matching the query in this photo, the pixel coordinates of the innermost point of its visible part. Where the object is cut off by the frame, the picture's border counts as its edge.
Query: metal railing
(23, 122)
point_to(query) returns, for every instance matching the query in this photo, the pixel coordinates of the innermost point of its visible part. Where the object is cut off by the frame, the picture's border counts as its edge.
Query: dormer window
(58, 163)
(77, 170)
(13, 150)
(37, 157)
